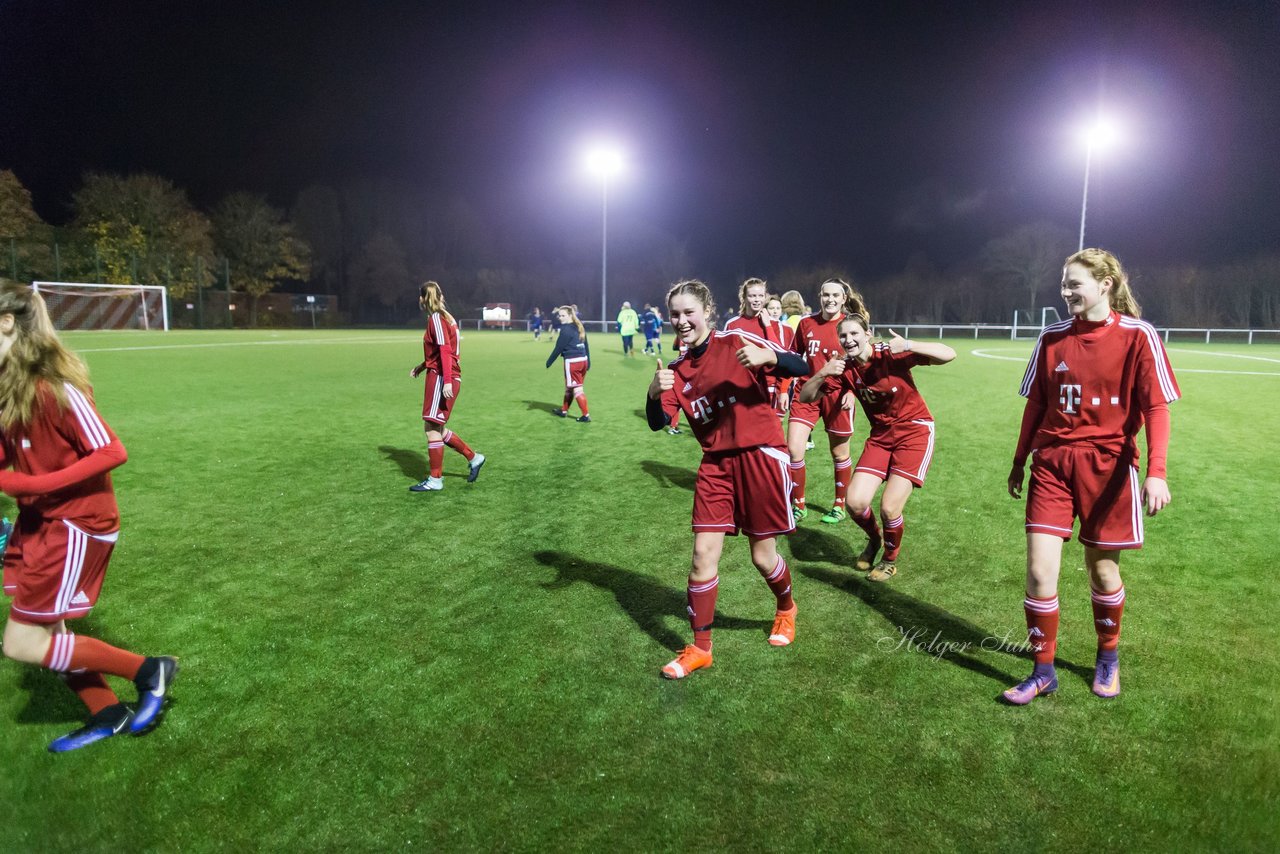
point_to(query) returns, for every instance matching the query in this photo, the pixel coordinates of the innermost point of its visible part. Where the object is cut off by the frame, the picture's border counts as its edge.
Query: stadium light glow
(605, 162)
(1101, 134)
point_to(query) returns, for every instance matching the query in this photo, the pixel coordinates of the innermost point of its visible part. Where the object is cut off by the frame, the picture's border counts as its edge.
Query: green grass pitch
(365, 668)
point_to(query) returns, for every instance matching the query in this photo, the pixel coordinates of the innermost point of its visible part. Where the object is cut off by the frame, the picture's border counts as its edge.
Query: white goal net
(78, 305)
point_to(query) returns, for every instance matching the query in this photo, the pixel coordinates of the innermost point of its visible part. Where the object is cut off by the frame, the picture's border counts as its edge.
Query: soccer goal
(78, 305)
(1025, 325)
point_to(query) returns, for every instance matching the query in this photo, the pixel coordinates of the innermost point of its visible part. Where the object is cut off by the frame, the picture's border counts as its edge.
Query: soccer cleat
(834, 516)
(1030, 688)
(867, 559)
(584, 419)
(431, 484)
(108, 722)
(798, 510)
(809, 446)
(560, 413)
(884, 570)
(476, 462)
(690, 659)
(674, 431)
(154, 680)
(6, 528)
(784, 627)
(1106, 677)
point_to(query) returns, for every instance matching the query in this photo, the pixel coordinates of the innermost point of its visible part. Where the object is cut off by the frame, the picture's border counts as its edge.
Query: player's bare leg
(1044, 564)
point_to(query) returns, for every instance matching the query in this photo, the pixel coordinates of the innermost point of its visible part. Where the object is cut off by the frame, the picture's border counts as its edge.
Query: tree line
(371, 244)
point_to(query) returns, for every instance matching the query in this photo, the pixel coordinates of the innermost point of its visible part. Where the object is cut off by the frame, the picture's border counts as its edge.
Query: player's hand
(898, 344)
(848, 401)
(663, 380)
(784, 401)
(1155, 494)
(447, 391)
(833, 367)
(756, 357)
(1016, 475)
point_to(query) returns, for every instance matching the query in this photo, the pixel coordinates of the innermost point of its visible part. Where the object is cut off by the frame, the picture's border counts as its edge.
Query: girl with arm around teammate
(1092, 382)
(55, 455)
(899, 448)
(721, 385)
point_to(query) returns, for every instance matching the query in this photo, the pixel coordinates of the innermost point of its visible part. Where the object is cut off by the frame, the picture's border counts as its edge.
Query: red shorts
(437, 408)
(54, 570)
(904, 449)
(1081, 481)
(837, 419)
(575, 372)
(745, 490)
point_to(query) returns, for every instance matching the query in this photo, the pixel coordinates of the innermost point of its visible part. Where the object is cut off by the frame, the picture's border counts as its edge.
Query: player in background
(899, 448)
(535, 323)
(793, 308)
(753, 295)
(773, 307)
(572, 346)
(55, 455)
(443, 385)
(1093, 380)
(817, 341)
(651, 324)
(721, 384)
(628, 326)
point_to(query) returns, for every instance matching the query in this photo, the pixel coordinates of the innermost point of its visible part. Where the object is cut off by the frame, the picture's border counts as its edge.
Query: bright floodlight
(1101, 134)
(604, 161)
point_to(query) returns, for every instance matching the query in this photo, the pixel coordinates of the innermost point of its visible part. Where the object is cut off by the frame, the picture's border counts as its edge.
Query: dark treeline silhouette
(371, 244)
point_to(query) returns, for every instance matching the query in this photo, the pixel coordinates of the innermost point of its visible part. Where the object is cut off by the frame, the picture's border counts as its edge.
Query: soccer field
(367, 668)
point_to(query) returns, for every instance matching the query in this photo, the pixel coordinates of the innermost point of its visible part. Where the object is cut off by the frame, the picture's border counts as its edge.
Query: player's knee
(857, 505)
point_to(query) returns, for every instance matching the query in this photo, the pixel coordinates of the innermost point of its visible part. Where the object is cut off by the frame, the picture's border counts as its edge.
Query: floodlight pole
(604, 251)
(1084, 203)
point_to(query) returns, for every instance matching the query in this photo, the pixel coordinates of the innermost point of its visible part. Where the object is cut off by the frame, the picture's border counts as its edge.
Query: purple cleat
(1039, 682)
(1106, 675)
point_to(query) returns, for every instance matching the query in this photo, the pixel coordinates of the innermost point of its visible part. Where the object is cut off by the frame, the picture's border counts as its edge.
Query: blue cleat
(110, 721)
(1033, 686)
(476, 462)
(1106, 675)
(6, 528)
(154, 680)
(584, 419)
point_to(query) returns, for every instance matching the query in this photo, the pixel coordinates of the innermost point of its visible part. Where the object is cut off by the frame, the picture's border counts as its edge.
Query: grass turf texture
(478, 668)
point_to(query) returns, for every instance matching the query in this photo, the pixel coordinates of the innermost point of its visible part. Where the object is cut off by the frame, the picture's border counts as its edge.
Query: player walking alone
(722, 385)
(1093, 380)
(572, 346)
(443, 385)
(899, 448)
(61, 451)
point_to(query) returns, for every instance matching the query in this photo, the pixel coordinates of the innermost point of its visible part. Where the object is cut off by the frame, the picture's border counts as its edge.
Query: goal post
(1026, 325)
(84, 305)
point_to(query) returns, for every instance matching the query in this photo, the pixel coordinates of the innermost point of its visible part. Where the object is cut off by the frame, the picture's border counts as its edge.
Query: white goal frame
(107, 316)
(1022, 321)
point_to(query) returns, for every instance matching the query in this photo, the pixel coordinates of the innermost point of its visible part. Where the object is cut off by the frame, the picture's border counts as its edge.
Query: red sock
(78, 652)
(568, 399)
(92, 690)
(867, 522)
(451, 439)
(435, 457)
(779, 581)
(702, 610)
(1107, 610)
(582, 401)
(675, 420)
(893, 529)
(797, 483)
(1042, 627)
(844, 468)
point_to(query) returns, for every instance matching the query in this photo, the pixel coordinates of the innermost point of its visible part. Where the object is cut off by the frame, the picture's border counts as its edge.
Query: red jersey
(440, 347)
(1094, 381)
(817, 341)
(726, 403)
(884, 386)
(56, 439)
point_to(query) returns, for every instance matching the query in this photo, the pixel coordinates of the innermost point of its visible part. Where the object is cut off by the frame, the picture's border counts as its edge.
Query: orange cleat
(784, 627)
(689, 660)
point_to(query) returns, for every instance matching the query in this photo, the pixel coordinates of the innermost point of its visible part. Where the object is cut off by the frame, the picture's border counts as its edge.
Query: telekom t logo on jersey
(1069, 397)
(704, 407)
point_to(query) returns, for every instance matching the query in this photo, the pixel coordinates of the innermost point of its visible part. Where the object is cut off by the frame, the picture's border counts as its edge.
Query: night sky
(763, 134)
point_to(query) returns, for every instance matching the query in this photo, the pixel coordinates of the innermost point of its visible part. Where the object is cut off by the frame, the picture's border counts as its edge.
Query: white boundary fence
(976, 331)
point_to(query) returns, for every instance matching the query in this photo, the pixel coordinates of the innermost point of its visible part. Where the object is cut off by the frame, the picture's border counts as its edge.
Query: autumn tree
(23, 232)
(261, 247)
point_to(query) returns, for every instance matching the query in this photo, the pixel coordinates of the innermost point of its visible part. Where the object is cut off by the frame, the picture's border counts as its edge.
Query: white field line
(985, 354)
(379, 340)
